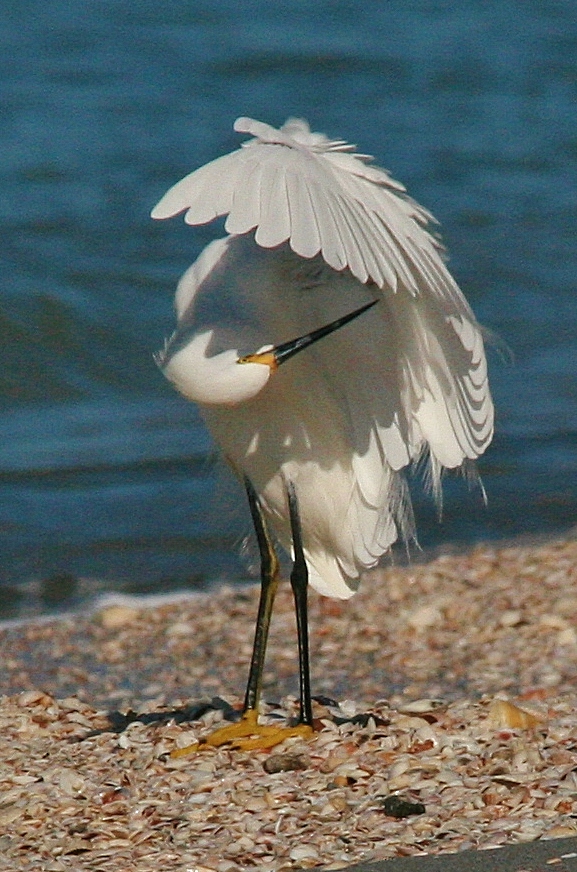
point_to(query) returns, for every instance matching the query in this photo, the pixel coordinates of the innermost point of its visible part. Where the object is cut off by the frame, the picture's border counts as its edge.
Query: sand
(449, 685)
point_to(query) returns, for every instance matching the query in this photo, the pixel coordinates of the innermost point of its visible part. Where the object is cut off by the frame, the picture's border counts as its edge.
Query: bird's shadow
(119, 721)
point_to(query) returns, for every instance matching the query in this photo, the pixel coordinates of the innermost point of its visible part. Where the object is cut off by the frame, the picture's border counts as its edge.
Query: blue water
(106, 479)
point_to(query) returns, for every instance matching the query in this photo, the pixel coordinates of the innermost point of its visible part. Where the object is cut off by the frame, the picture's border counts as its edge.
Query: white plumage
(316, 231)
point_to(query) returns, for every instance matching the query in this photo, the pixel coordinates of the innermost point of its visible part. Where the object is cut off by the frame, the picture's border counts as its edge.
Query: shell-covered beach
(448, 684)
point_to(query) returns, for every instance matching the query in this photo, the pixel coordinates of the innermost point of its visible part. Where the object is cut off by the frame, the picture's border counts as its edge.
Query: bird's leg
(299, 583)
(248, 734)
(269, 578)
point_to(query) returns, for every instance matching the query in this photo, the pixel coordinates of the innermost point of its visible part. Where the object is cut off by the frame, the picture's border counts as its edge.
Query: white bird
(321, 241)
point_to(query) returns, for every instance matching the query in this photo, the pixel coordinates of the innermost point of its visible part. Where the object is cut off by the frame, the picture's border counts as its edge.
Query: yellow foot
(246, 735)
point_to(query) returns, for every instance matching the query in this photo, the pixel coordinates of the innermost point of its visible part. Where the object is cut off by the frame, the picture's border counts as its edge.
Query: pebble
(303, 852)
(114, 617)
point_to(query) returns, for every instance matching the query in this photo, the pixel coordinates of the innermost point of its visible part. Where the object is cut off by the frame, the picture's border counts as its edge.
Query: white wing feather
(326, 199)
(421, 385)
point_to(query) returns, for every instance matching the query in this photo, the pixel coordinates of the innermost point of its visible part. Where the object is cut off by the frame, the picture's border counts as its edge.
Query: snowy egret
(387, 368)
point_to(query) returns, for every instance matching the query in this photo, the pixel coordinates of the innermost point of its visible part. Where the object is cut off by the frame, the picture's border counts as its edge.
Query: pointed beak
(273, 357)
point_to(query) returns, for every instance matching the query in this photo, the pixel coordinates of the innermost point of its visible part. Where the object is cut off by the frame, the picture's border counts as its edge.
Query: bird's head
(227, 378)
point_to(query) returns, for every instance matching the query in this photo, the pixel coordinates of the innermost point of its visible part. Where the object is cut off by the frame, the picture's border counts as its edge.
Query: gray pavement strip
(544, 855)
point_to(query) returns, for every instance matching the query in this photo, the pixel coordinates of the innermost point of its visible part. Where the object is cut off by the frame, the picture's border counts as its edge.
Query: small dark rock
(397, 807)
(57, 589)
(285, 763)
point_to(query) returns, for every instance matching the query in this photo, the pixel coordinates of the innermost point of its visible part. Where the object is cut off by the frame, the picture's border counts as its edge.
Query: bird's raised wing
(322, 197)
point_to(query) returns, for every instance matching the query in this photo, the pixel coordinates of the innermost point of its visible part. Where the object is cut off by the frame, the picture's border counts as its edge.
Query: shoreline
(399, 559)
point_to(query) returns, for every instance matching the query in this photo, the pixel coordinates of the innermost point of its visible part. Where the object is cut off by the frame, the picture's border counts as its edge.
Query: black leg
(299, 583)
(248, 733)
(269, 585)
